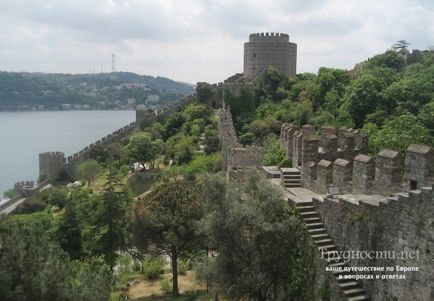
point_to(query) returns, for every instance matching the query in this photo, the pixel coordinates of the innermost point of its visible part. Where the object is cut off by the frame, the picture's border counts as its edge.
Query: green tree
(196, 111)
(410, 94)
(157, 148)
(211, 141)
(91, 280)
(166, 220)
(173, 124)
(35, 268)
(263, 250)
(182, 148)
(10, 193)
(29, 263)
(142, 148)
(273, 154)
(389, 59)
(399, 133)
(328, 80)
(362, 97)
(401, 48)
(273, 79)
(88, 171)
(68, 232)
(426, 115)
(247, 138)
(107, 228)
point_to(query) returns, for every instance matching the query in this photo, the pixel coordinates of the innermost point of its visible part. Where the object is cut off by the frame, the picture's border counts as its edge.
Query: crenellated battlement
(84, 153)
(25, 188)
(268, 36)
(373, 222)
(52, 155)
(339, 158)
(151, 116)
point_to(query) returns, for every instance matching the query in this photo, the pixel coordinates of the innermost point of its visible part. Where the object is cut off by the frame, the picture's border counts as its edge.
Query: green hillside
(390, 97)
(122, 90)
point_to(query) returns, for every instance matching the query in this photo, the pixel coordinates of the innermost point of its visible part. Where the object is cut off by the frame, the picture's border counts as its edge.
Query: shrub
(10, 193)
(30, 205)
(285, 163)
(182, 267)
(125, 263)
(273, 153)
(152, 267)
(166, 286)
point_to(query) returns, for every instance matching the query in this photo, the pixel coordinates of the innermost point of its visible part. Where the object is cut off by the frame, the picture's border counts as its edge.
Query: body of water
(23, 135)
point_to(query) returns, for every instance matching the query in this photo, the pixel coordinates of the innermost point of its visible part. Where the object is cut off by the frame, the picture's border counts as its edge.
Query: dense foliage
(166, 220)
(389, 94)
(33, 266)
(263, 249)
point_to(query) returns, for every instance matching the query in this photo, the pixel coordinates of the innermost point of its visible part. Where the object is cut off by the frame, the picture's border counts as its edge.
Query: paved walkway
(298, 194)
(12, 206)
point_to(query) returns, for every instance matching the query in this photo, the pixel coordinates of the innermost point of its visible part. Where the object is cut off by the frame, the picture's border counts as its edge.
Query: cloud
(195, 40)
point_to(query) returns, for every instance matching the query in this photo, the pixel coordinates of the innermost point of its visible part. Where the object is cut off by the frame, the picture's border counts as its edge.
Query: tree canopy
(263, 250)
(166, 220)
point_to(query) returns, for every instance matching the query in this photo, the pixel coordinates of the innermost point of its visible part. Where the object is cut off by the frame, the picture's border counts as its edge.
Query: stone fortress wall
(152, 116)
(339, 158)
(50, 163)
(215, 95)
(236, 158)
(371, 213)
(399, 223)
(264, 49)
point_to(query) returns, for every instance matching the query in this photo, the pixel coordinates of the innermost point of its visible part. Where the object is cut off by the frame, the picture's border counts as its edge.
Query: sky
(200, 40)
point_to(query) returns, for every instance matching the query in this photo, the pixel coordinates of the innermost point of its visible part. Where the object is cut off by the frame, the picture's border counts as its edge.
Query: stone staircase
(316, 229)
(291, 177)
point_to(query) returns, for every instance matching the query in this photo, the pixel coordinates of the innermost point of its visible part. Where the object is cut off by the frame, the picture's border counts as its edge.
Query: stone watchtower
(264, 49)
(50, 164)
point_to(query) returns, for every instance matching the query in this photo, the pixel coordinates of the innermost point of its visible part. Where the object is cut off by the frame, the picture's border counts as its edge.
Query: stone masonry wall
(400, 223)
(352, 170)
(50, 163)
(236, 158)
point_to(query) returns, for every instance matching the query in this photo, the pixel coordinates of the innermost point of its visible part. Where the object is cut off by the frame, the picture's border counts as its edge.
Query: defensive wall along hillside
(236, 158)
(339, 158)
(51, 163)
(396, 227)
(370, 211)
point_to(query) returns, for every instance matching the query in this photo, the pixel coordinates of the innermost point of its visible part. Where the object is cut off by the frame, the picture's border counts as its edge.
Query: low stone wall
(403, 223)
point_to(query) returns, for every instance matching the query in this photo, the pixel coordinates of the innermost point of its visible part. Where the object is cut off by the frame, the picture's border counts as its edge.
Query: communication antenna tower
(113, 62)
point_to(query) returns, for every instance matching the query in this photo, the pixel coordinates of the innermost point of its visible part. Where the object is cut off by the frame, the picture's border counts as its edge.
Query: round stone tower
(50, 164)
(264, 49)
